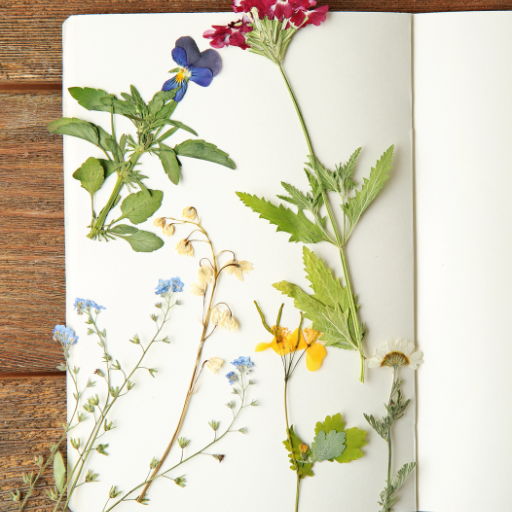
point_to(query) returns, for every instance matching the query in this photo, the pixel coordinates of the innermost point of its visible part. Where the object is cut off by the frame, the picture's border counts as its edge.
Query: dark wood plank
(32, 232)
(32, 412)
(30, 32)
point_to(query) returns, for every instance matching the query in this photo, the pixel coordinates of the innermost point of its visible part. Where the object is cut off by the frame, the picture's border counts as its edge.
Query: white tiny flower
(189, 213)
(159, 222)
(239, 268)
(168, 230)
(185, 248)
(214, 364)
(198, 289)
(205, 274)
(396, 353)
(224, 320)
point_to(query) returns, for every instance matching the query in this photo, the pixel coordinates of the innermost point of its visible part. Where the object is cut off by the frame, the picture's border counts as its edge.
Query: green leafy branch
(123, 155)
(334, 313)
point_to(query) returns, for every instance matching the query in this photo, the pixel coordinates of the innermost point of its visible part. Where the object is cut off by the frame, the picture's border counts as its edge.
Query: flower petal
(192, 53)
(260, 347)
(179, 55)
(315, 356)
(181, 91)
(209, 59)
(202, 76)
(170, 84)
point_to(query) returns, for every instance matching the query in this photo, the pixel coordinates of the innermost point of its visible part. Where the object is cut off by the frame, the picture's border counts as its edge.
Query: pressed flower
(223, 319)
(65, 335)
(185, 248)
(214, 364)
(239, 268)
(168, 230)
(232, 377)
(396, 354)
(198, 289)
(232, 34)
(164, 285)
(159, 222)
(205, 274)
(82, 304)
(243, 362)
(287, 342)
(189, 213)
(194, 66)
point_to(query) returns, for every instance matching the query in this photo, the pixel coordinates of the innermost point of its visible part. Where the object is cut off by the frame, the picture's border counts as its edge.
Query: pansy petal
(192, 53)
(170, 84)
(179, 55)
(201, 76)
(209, 59)
(181, 91)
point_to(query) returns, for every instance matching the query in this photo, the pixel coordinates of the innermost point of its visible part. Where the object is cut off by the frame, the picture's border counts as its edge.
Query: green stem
(290, 441)
(297, 494)
(339, 239)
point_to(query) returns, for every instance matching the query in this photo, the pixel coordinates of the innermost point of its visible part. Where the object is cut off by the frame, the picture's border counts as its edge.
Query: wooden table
(32, 279)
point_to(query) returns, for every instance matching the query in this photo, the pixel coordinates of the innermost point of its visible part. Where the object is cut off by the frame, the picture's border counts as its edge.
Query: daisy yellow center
(395, 359)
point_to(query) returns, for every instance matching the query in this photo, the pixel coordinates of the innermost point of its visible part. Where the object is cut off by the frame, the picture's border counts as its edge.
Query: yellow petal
(315, 354)
(291, 341)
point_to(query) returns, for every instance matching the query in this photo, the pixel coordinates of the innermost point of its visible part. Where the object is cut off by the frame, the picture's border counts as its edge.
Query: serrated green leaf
(331, 423)
(143, 241)
(328, 446)
(345, 173)
(379, 174)
(198, 148)
(327, 178)
(354, 442)
(296, 197)
(91, 175)
(170, 163)
(123, 229)
(59, 471)
(138, 207)
(332, 322)
(305, 468)
(90, 98)
(76, 128)
(296, 224)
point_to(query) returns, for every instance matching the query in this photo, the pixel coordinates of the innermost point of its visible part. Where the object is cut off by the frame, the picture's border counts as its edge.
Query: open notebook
(429, 262)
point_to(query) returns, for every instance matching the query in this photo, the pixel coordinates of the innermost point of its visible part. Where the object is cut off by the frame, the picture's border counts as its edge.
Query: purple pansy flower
(199, 67)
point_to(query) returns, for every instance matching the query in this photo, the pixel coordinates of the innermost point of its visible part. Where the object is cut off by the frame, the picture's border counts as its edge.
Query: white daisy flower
(396, 353)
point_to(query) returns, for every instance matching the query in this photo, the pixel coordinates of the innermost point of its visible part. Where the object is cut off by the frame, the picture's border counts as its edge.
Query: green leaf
(297, 197)
(327, 178)
(204, 151)
(332, 322)
(90, 98)
(305, 468)
(59, 471)
(138, 207)
(402, 475)
(379, 174)
(330, 423)
(106, 141)
(170, 163)
(91, 175)
(345, 173)
(297, 224)
(179, 124)
(109, 167)
(328, 290)
(76, 128)
(328, 446)
(355, 441)
(123, 229)
(143, 241)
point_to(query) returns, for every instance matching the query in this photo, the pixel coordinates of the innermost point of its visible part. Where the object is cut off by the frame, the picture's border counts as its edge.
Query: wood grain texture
(30, 31)
(32, 280)
(31, 415)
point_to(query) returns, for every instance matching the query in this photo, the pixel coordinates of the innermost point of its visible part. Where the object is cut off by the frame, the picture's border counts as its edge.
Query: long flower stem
(290, 441)
(193, 382)
(390, 448)
(339, 240)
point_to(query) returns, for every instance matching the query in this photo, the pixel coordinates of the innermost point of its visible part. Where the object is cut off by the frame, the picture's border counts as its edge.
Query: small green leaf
(109, 167)
(76, 128)
(355, 440)
(123, 229)
(331, 423)
(90, 98)
(143, 241)
(204, 151)
(170, 163)
(296, 224)
(379, 174)
(106, 141)
(184, 127)
(328, 446)
(91, 175)
(59, 471)
(138, 207)
(305, 466)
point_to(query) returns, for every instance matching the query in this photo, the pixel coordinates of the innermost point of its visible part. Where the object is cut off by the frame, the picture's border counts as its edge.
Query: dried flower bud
(214, 424)
(168, 230)
(154, 463)
(218, 457)
(239, 268)
(39, 460)
(181, 481)
(183, 442)
(214, 364)
(205, 274)
(99, 373)
(114, 492)
(189, 213)
(303, 447)
(16, 495)
(159, 222)
(242, 430)
(91, 476)
(185, 248)
(198, 289)
(75, 443)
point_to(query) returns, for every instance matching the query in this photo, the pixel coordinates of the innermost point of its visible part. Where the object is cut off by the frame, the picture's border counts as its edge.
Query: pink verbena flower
(267, 26)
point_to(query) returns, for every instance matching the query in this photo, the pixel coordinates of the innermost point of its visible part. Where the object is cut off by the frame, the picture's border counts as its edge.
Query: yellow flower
(239, 268)
(214, 364)
(159, 222)
(286, 342)
(185, 248)
(198, 289)
(205, 274)
(168, 230)
(189, 213)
